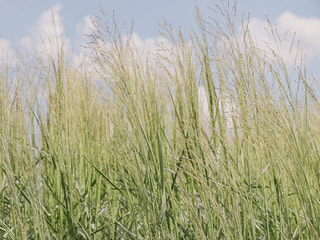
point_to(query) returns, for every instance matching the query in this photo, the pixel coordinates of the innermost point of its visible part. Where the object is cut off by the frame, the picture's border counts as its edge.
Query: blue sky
(18, 16)
(21, 20)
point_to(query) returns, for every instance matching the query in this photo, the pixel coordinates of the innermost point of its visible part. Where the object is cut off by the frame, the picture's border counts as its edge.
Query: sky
(23, 22)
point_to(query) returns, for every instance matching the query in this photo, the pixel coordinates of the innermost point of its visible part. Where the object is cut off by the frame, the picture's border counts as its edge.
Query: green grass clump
(127, 148)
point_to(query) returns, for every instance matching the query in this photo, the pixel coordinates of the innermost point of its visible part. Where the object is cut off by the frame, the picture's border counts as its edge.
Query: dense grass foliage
(209, 137)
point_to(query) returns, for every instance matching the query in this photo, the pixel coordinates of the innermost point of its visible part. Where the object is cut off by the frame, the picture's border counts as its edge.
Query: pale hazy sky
(23, 21)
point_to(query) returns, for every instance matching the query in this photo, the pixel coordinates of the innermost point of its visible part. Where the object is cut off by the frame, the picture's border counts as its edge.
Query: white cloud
(4, 48)
(47, 33)
(151, 49)
(84, 28)
(143, 50)
(306, 31)
(7, 56)
(81, 59)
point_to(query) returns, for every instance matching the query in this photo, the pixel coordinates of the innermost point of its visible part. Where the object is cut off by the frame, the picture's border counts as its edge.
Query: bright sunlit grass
(206, 136)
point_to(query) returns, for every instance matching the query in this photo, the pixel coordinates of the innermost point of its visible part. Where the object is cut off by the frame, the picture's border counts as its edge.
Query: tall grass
(126, 149)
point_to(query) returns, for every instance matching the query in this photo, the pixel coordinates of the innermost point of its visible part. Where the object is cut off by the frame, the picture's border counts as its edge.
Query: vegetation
(125, 148)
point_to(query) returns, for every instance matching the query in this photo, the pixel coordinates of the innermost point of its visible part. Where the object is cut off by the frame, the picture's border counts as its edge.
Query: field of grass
(209, 138)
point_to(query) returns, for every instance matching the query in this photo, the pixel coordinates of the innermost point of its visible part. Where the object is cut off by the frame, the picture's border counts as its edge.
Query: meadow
(208, 137)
